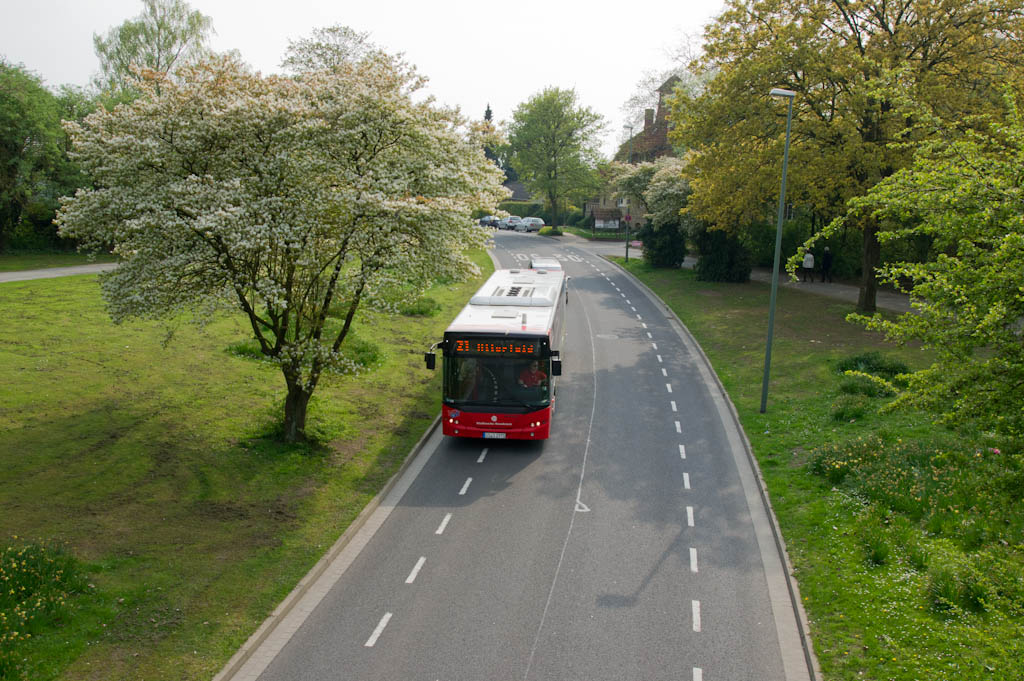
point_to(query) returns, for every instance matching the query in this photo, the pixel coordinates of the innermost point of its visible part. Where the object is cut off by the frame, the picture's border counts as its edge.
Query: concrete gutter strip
(751, 477)
(269, 625)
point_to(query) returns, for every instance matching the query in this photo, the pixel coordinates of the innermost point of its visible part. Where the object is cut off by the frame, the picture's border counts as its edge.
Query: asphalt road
(631, 545)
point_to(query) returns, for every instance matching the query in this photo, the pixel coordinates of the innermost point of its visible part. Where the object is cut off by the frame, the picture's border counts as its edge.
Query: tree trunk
(871, 255)
(295, 412)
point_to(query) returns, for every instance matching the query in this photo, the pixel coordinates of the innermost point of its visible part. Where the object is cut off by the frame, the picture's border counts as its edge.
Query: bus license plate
(494, 436)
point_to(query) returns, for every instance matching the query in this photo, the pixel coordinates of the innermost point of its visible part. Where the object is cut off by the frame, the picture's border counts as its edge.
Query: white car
(530, 225)
(545, 264)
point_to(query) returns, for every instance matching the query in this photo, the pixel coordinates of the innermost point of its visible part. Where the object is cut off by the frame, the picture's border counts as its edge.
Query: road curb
(803, 627)
(257, 639)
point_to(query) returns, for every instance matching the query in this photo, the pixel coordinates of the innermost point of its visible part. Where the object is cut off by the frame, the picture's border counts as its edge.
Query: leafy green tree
(842, 58)
(328, 48)
(167, 35)
(30, 148)
(967, 194)
(554, 143)
(285, 198)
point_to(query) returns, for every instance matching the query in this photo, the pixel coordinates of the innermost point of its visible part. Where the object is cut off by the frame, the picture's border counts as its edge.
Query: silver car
(530, 225)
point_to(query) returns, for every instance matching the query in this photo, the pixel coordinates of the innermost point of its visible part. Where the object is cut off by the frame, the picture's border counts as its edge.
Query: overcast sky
(474, 53)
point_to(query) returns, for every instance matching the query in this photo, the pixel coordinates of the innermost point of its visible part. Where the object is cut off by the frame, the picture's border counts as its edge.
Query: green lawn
(906, 539)
(150, 466)
(37, 261)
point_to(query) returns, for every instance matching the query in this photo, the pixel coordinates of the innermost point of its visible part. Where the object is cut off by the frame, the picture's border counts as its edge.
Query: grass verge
(907, 539)
(153, 469)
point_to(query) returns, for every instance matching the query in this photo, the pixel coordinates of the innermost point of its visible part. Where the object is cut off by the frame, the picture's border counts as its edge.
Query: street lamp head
(779, 92)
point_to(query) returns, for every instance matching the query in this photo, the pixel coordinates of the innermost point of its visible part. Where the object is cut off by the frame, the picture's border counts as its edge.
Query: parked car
(510, 222)
(489, 221)
(530, 225)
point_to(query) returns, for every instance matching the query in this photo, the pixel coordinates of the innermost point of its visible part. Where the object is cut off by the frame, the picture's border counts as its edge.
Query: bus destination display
(495, 346)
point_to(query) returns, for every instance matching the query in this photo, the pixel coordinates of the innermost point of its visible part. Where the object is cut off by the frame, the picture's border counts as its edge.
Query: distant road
(54, 272)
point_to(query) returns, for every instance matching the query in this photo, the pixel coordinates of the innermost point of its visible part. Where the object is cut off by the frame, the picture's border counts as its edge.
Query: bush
(721, 256)
(523, 209)
(664, 245)
(550, 231)
(850, 407)
(862, 385)
(873, 363)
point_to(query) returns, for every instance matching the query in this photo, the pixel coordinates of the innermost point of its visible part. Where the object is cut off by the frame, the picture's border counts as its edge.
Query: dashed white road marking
(465, 486)
(444, 524)
(664, 372)
(696, 615)
(686, 481)
(649, 335)
(644, 324)
(660, 359)
(668, 387)
(627, 302)
(698, 674)
(654, 345)
(682, 451)
(638, 316)
(673, 403)
(689, 516)
(482, 455)
(693, 559)
(370, 642)
(679, 428)
(415, 570)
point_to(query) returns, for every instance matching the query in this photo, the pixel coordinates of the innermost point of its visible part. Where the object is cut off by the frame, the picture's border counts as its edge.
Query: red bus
(500, 358)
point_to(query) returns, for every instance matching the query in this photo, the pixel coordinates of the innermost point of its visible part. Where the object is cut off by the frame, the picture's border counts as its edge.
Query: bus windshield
(498, 381)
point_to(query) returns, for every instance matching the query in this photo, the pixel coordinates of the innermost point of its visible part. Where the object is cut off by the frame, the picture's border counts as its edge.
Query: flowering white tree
(282, 197)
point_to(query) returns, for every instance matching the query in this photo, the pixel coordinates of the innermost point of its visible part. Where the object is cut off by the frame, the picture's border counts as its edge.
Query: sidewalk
(53, 272)
(886, 300)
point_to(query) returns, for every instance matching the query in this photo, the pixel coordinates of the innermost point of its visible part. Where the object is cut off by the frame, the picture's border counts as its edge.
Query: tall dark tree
(553, 143)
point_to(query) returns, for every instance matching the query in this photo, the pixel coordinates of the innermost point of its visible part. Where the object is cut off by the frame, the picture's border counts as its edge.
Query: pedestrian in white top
(808, 269)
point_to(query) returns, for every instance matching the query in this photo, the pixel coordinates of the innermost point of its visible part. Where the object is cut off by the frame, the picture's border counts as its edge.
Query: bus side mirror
(430, 359)
(556, 367)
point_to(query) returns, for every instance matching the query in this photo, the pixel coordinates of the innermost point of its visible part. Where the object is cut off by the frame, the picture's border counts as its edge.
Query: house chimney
(648, 119)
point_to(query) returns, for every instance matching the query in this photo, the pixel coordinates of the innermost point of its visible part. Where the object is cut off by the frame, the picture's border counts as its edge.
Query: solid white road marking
(581, 507)
(686, 481)
(682, 451)
(444, 524)
(696, 615)
(379, 630)
(693, 559)
(415, 570)
(465, 487)
(482, 455)
(689, 516)
(673, 403)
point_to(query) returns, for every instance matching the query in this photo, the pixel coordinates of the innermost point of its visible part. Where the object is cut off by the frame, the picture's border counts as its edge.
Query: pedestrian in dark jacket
(826, 265)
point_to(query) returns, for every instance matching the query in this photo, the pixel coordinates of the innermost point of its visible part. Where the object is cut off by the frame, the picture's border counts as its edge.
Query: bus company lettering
(493, 422)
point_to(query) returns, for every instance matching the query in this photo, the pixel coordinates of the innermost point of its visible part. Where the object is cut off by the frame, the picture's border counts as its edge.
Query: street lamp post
(629, 204)
(789, 94)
